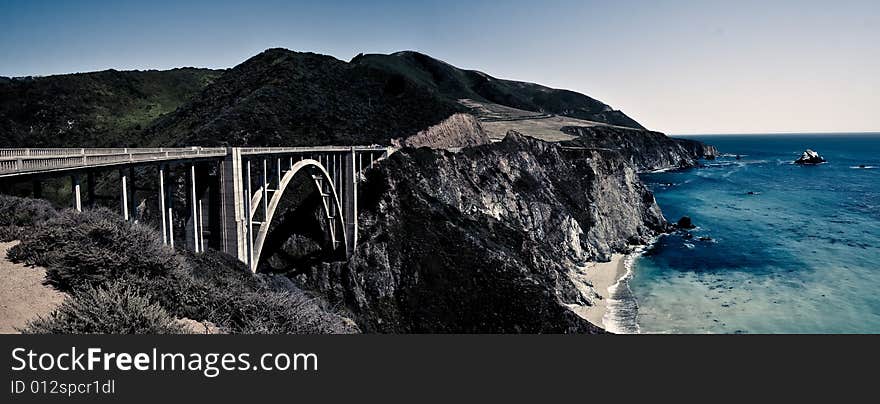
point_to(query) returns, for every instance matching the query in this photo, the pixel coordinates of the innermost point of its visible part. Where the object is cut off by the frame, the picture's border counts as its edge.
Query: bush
(115, 309)
(95, 247)
(15, 211)
(16, 214)
(273, 312)
(225, 293)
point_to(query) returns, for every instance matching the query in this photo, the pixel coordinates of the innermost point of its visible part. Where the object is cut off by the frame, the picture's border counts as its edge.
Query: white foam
(612, 321)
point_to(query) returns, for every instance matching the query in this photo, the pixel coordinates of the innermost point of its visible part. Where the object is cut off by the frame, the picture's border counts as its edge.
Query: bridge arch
(331, 206)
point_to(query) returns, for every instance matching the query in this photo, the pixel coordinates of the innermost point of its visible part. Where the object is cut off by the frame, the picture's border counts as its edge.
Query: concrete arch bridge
(232, 210)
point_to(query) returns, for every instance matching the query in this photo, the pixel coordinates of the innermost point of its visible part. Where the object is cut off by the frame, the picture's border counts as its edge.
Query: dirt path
(22, 293)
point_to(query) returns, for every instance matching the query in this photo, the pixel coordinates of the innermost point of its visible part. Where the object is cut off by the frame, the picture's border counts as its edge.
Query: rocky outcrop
(810, 157)
(486, 240)
(698, 149)
(457, 131)
(646, 150)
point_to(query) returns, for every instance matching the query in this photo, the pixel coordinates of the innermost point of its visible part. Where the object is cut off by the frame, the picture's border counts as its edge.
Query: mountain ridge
(277, 97)
(457, 83)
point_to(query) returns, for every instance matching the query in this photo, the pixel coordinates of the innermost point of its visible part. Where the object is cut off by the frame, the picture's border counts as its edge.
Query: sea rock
(810, 157)
(685, 223)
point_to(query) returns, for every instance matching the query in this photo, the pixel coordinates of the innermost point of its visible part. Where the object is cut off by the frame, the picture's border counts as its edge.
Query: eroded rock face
(646, 150)
(486, 240)
(457, 131)
(810, 157)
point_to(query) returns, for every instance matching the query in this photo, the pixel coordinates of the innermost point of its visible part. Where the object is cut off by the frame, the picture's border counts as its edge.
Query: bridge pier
(77, 197)
(162, 218)
(233, 205)
(194, 224)
(123, 178)
(349, 198)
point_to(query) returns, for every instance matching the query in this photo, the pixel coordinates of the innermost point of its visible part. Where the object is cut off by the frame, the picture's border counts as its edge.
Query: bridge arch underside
(301, 223)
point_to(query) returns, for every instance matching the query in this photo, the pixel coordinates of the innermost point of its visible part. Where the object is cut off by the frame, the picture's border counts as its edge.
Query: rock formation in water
(486, 240)
(810, 157)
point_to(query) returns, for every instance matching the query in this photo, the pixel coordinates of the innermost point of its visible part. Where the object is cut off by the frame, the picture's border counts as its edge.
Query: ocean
(778, 248)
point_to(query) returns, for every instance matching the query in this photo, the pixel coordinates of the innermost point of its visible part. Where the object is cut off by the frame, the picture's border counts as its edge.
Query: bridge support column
(249, 235)
(193, 228)
(77, 196)
(124, 197)
(169, 194)
(162, 212)
(349, 197)
(232, 211)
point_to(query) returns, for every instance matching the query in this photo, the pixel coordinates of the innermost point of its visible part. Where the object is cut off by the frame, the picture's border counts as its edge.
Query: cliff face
(697, 148)
(646, 150)
(459, 130)
(486, 240)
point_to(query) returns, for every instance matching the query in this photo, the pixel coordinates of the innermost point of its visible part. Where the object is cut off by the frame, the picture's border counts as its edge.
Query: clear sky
(675, 66)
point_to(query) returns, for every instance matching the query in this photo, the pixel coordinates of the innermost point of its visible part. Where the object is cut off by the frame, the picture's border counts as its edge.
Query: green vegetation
(100, 109)
(96, 257)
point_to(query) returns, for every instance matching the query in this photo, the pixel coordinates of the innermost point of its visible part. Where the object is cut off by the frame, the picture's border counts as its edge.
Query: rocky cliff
(646, 150)
(486, 240)
(457, 131)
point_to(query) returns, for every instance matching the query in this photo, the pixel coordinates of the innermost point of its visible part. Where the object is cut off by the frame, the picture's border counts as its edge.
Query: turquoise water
(799, 255)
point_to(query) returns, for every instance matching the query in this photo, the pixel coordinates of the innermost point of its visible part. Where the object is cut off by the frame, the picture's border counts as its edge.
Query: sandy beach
(602, 275)
(23, 296)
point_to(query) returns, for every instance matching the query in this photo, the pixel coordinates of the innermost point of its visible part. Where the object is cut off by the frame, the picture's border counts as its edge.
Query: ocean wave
(621, 315)
(864, 168)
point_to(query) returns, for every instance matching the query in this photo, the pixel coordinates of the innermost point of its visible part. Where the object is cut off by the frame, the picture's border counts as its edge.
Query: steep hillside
(100, 109)
(455, 84)
(488, 239)
(285, 98)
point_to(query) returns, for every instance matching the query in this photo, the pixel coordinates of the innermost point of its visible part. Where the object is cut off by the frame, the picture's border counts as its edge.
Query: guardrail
(308, 149)
(25, 161)
(34, 160)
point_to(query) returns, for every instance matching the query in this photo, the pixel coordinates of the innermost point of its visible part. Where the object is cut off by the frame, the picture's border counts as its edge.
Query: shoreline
(602, 276)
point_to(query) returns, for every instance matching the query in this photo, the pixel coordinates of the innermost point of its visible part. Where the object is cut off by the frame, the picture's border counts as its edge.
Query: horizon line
(778, 133)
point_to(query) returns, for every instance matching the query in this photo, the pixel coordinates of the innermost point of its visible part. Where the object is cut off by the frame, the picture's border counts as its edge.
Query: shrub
(17, 214)
(15, 211)
(273, 312)
(115, 309)
(225, 293)
(95, 247)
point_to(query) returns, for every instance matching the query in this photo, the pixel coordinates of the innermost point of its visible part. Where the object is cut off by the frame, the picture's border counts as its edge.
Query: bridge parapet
(24, 161)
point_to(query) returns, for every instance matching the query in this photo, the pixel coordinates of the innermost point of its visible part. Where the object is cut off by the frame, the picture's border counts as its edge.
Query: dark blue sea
(800, 254)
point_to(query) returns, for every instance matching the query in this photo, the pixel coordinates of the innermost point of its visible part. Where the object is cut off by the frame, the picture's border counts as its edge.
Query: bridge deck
(25, 161)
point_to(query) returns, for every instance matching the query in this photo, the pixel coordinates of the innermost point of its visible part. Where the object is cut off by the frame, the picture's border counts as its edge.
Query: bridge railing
(307, 149)
(29, 160)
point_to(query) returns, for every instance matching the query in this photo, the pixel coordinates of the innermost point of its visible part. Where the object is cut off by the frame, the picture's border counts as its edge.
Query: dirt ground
(23, 296)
